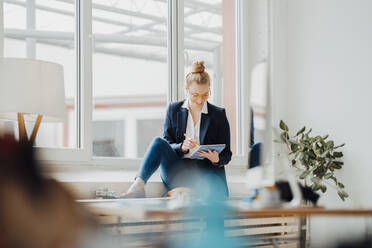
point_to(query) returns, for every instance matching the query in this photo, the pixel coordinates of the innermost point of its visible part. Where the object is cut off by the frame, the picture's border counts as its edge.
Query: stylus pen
(192, 141)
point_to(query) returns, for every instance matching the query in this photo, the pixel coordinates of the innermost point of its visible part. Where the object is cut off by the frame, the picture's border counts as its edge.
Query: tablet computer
(218, 148)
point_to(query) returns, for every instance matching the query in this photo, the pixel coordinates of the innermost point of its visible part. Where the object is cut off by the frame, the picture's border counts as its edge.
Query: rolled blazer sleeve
(224, 138)
(170, 132)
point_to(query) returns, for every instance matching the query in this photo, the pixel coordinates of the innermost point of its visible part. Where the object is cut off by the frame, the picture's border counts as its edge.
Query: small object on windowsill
(286, 194)
(260, 198)
(105, 193)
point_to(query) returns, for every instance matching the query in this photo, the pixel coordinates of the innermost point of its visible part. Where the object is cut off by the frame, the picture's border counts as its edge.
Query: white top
(192, 131)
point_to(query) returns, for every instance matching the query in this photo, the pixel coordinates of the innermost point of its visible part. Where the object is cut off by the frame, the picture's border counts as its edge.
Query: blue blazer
(214, 129)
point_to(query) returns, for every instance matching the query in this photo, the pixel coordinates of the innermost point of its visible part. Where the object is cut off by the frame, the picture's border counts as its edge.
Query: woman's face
(198, 93)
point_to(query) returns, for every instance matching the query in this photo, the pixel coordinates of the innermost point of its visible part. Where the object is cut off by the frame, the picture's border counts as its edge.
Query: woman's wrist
(183, 150)
(216, 162)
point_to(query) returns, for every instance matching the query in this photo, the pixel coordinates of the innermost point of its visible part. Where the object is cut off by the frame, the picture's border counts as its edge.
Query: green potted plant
(316, 158)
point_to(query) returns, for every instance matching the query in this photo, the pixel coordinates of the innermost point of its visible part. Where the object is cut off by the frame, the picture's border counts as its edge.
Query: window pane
(209, 35)
(108, 138)
(130, 73)
(145, 131)
(50, 27)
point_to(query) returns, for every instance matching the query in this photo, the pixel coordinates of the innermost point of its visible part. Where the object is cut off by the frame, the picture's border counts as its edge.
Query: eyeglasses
(196, 96)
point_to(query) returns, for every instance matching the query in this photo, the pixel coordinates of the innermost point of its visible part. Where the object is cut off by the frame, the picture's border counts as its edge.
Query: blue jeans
(179, 172)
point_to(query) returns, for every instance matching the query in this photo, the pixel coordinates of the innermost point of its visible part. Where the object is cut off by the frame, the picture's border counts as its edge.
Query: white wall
(326, 47)
(1, 29)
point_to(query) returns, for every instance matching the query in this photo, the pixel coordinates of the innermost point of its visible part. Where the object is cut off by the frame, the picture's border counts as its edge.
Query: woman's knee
(159, 142)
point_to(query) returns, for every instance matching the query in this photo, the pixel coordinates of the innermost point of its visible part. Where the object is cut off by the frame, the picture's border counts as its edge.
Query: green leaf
(338, 162)
(283, 126)
(308, 132)
(339, 146)
(337, 166)
(341, 195)
(341, 185)
(324, 154)
(284, 136)
(325, 137)
(315, 146)
(338, 154)
(323, 188)
(330, 144)
(334, 179)
(316, 186)
(299, 156)
(328, 175)
(344, 193)
(315, 180)
(311, 154)
(304, 174)
(316, 149)
(301, 131)
(293, 162)
(294, 147)
(318, 171)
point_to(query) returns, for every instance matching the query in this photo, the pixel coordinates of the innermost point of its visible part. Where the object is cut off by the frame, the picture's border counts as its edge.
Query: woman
(189, 123)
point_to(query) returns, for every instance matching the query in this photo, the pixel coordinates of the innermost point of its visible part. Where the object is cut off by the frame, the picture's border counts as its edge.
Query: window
(45, 30)
(120, 60)
(129, 68)
(209, 35)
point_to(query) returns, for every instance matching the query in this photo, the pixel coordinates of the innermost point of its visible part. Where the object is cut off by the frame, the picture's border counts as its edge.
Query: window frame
(82, 154)
(83, 100)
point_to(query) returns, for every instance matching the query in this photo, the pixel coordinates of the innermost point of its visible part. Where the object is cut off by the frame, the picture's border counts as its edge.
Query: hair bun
(198, 67)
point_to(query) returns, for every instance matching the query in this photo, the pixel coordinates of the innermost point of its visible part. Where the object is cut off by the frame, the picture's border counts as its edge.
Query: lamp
(31, 90)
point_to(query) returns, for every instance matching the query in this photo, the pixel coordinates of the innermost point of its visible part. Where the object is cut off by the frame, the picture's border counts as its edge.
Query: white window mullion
(130, 137)
(30, 26)
(180, 49)
(175, 49)
(243, 75)
(86, 86)
(1, 30)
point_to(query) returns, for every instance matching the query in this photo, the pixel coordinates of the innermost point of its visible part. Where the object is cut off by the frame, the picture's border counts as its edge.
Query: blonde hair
(198, 75)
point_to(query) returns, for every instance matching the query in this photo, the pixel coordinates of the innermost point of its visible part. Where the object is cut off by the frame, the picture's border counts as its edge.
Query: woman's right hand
(188, 144)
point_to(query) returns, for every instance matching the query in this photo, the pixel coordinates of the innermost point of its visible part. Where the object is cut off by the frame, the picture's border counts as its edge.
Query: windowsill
(116, 176)
(84, 182)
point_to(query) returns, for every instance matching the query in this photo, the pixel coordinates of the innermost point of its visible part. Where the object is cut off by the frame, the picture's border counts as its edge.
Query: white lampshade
(31, 87)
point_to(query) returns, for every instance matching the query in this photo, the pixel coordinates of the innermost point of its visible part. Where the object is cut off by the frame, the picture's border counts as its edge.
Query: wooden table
(115, 208)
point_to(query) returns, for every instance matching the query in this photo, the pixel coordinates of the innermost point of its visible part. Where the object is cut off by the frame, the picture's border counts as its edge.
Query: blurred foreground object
(34, 211)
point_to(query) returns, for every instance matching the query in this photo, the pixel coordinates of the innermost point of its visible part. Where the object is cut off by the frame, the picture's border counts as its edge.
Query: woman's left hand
(211, 155)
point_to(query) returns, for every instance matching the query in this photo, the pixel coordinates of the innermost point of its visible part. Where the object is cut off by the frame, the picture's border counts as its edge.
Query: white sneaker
(136, 190)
